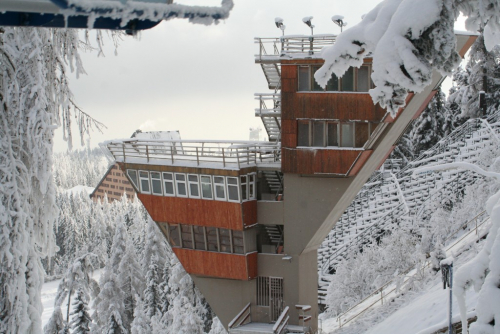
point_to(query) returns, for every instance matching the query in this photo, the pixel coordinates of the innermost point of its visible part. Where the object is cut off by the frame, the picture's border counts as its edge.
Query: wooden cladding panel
(200, 212)
(289, 133)
(249, 213)
(341, 106)
(221, 265)
(318, 161)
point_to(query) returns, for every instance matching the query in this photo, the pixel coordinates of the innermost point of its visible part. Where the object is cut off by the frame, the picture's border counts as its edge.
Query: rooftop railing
(292, 45)
(216, 154)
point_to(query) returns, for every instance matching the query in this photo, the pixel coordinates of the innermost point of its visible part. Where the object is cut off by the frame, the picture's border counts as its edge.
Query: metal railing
(292, 45)
(194, 153)
(482, 217)
(244, 317)
(263, 109)
(282, 322)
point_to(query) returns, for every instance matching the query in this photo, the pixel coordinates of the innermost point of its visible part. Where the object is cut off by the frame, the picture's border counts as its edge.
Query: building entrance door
(276, 297)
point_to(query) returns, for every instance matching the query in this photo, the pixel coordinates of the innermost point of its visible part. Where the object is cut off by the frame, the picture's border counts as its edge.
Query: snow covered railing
(244, 317)
(282, 322)
(264, 110)
(214, 154)
(292, 45)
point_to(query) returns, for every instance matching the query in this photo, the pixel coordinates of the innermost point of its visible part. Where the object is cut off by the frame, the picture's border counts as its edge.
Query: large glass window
(187, 236)
(244, 187)
(333, 135)
(304, 78)
(144, 178)
(238, 242)
(174, 235)
(232, 189)
(225, 240)
(156, 183)
(194, 186)
(132, 174)
(363, 79)
(347, 135)
(347, 80)
(199, 237)
(168, 184)
(303, 133)
(212, 239)
(206, 187)
(180, 182)
(318, 134)
(252, 186)
(354, 80)
(220, 191)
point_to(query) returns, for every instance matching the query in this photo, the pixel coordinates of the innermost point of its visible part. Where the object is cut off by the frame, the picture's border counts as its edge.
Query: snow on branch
(407, 40)
(457, 165)
(127, 11)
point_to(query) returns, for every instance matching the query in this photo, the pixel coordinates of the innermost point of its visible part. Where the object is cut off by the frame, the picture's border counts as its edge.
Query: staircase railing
(282, 322)
(244, 317)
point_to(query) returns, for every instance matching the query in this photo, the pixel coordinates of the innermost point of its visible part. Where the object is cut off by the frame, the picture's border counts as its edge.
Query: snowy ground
(49, 291)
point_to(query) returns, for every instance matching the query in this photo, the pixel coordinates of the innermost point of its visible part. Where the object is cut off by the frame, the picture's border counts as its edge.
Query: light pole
(447, 272)
(339, 20)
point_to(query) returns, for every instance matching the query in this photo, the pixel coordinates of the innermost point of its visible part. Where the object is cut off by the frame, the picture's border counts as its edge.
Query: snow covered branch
(408, 40)
(458, 165)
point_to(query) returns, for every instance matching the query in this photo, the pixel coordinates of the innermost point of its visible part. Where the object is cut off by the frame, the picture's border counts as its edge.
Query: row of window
(205, 238)
(354, 80)
(321, 133)
(211, 187)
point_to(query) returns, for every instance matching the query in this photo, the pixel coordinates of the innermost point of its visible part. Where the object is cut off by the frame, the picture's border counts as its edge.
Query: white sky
(197, 79)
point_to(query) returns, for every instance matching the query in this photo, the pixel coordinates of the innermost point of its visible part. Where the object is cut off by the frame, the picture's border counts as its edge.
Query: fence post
(147, 152)
(123, 150)
(172, 153)
(223, 159)
(197, 157)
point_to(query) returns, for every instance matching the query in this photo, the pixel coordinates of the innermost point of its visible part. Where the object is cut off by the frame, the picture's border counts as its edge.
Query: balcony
(231, 155)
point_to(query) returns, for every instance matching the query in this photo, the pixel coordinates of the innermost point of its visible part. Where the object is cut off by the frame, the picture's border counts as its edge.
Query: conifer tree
(152, 293)
(80, 320)
(141, 320)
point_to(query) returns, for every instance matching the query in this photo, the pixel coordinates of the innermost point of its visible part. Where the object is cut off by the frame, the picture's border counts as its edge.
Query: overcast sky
(197, 79)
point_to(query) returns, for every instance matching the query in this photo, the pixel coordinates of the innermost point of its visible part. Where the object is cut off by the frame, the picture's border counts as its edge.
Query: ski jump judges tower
(245, 219)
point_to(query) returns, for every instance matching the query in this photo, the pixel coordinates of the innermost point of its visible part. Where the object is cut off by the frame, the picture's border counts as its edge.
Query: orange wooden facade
(341, 106)
(222, 265)
(321, 161)
(200, 212)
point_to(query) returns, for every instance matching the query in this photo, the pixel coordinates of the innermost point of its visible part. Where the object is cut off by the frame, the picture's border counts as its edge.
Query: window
(354, 80)
(180, 182)
(252, 186)
(206, 187)
(244, 187)
(318, 134)
(187, 236)
(347, 135)
(174, 235)
(168, 184)
(212, 239)
(194, 186)
(303, 133)
(225, 240)
(238, 242)
(331, 133)
(232, 189)
(199, 237)
(155, 183)
(219, 186)
(144, 178)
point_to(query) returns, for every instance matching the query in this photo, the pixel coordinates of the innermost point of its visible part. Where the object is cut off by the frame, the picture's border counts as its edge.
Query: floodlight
(279, 24)
(339, 20)
(307, 20)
